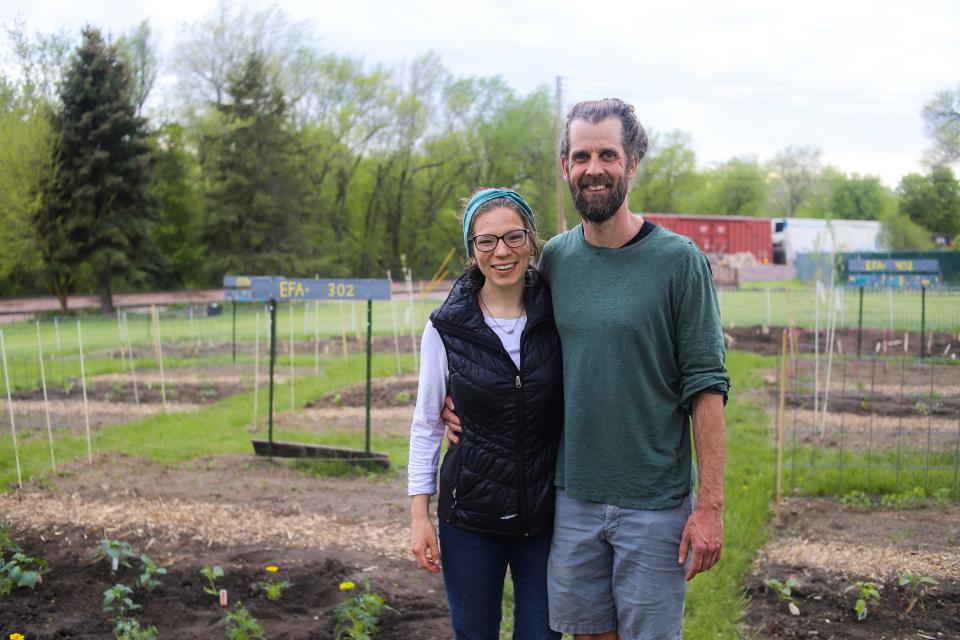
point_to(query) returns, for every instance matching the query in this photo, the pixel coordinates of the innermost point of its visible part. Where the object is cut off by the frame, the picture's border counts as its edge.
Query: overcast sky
(742, 77)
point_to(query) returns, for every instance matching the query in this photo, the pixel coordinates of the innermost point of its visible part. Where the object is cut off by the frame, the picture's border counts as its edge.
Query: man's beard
(598, 208)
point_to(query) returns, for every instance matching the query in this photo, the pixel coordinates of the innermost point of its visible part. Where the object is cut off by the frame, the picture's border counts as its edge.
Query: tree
(254, 190)
(139, 52)
(941, 118)
(736, 187)
(666, 173)
(859, 197)
(794, 171)
(932, 201)
(97, 209)
(900, 233)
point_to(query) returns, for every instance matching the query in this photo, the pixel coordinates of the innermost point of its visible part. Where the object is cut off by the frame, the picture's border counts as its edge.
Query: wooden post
(780, 426)
(256, 367)
(46, 401)
(292, 354)
(158, 350)
(83, 386)
(13, 424)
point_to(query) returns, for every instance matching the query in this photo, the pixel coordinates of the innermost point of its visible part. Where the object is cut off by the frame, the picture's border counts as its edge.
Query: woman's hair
(476, 276)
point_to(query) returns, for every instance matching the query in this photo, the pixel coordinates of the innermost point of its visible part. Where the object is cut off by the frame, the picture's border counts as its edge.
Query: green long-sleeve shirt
(641, 335)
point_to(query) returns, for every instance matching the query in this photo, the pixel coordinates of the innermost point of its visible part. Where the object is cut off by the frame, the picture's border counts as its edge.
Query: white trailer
(815, 235)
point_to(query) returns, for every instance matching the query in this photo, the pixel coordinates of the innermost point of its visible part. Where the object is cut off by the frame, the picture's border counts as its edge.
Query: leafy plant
(146, 580)
(241, 625)
(212, 574)
(402, 397)
(119, 597)
(913, 499)
(118, 551)
(6, 538)
(358, 618)
(130, 629)
(857, 500)
(274, 589)
(337, 400)
(19, 571)
(942, 497)
(784, 591)
(868, 596)
(916, 588)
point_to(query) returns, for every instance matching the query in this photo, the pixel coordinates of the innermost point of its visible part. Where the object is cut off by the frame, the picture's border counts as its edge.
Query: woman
(493, 347)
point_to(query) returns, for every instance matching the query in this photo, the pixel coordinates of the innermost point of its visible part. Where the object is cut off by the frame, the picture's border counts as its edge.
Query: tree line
(266, 155)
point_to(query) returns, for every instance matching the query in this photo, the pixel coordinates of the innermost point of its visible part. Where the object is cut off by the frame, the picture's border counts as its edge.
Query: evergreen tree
(96, 210)
(255, 192)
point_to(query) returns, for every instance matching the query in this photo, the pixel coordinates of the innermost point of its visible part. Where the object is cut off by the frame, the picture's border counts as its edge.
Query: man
(642, 353)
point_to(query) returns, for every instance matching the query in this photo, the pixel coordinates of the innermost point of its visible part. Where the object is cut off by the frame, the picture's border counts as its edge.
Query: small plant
(241, 625)
(913, 499)
(119, 598)
(20, 571)
(358, 618)
(273, 588)
(118, 551)
(942, 497)
(868, 596)
(212, 574)
(402, 397)
(916, 588)
(146, 579)
(922, 408)
(784, 591)
(337, 400)
(856, 500)
(6, 538)
(130, 629)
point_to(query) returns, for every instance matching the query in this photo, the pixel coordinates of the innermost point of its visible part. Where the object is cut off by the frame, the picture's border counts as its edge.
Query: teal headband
(486, 195)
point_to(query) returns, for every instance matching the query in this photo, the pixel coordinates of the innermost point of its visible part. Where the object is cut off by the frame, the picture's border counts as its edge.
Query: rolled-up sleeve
(701, 355)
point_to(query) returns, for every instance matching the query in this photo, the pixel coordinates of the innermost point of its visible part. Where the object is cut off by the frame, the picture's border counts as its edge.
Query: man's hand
(703, 535)
(452, 420)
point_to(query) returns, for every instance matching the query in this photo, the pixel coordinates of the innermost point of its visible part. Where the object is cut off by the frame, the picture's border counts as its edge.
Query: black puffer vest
(499, 479)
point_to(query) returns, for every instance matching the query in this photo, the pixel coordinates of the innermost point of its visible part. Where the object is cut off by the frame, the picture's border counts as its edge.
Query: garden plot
(825, 548)
(237, 512)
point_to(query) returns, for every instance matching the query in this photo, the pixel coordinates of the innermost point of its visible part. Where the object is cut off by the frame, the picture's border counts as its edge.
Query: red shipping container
(722, 235)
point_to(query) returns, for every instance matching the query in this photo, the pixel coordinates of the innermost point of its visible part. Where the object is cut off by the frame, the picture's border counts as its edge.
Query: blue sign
(859, 265)
(282, 289)
(245, 282)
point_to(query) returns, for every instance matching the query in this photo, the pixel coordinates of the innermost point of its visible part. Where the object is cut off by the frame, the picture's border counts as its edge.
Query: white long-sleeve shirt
(426, 432)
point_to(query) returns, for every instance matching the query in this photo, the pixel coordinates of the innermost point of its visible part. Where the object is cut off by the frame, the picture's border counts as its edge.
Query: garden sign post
(286, 289)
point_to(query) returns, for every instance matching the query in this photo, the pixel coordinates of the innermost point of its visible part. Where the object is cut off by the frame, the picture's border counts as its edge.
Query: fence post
(860, 324)
(923, 320)
(369, 371)
(273, 360)
(234, 339)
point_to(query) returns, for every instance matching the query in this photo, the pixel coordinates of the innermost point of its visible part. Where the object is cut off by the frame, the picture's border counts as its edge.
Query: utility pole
(561, 218)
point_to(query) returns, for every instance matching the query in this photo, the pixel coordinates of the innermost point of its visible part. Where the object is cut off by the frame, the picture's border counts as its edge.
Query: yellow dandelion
(17, 636)
(346, 586)
(272, 568)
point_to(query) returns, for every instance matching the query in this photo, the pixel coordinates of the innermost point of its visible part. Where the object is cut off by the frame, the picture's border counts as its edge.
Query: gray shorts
(613, 568)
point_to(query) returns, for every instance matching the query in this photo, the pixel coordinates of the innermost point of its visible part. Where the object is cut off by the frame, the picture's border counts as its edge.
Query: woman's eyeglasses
(487, 242)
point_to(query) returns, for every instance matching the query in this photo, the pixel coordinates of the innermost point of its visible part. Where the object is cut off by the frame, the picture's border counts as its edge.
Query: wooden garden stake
(158, 349)
(413, 326)
(83, 386)
(316, 337)
(783, 384)
(46, 401)
(223, 597)
(133, 368)
(13, 423)
(56, 332)
(256, 368)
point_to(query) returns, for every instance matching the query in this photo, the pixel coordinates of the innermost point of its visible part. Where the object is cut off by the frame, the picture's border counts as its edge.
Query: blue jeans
(474, 567)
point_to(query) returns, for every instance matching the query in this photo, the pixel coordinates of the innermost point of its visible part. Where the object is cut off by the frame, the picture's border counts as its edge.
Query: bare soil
(826, 547)
(768, 340)
(239, 512)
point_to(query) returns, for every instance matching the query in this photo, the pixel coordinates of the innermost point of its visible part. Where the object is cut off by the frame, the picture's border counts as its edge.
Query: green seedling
(20, 571)
(869, 596)
(402, 397)
(130, 629)
(241, 625)
(784, 591)
(856, 500)
(146, 579)
(119, 597)
(358, 618)
(274, 590)
(212, 574)
(118, 551)
(916, 588)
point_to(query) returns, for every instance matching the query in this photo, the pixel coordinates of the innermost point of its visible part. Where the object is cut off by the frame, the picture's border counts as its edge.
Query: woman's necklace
(502, 328)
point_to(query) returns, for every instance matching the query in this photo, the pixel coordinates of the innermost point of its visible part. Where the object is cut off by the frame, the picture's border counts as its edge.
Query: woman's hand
(423, 537)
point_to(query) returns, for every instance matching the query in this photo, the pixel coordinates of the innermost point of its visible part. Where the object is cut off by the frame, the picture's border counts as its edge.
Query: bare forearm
(710, 437)
(420, 507)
